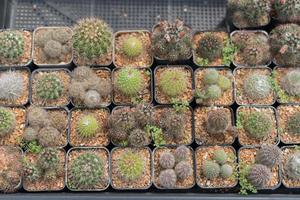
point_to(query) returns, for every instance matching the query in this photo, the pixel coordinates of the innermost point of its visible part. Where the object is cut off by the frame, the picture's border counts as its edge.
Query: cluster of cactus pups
(12, 46)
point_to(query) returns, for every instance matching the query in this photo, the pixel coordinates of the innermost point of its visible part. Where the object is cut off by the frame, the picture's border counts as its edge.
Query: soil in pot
(131, 168)
(256, 125)
(253, 86)
(214, 126)
(214, 87)
(44, 171)
(89, 127)
(173, 82)
(50, 88)
(173, 167)
(20, 54)
(216, 167)
(14, 87)
(52, 46)
(133, 49)
(96, 160)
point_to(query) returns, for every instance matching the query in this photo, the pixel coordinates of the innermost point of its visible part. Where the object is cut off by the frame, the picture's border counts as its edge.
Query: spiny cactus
(167, 160)
(132, 47)
(48, 159)
(138, 138)
(292, 166)
(172, 41)
(173, 124)
(9, 180)
(31, 172)
(87, 126)
(224, 83)
(86, 171)
(37, 117)
(7, 122)
(92, 98)
(129, 81)
(287, 11)
(268, 155)
(48, 136)
(210, 47)
(12, 45)
(257, 87)
(183, 170)
(226, 171)
(82, 73)
(259, 175)
(258, 125)
(30, 134)
(181, 153)
(290, 83)
(218, 122)
(49, 86)
(52, 49)
(220, 156)
(41, 39)
(211, 76)
(58, 120)
(210, 169)
(173, 82)
(167, 178)
(211, 92)
(254, 54)
(293, 124)
(11, 85)
(92, 38)
(62, 35)
(144, 114)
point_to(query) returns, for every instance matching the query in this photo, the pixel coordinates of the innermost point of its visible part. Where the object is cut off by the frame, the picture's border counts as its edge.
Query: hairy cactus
(132, 47)
(258, 125)
(167, 160)
(52, 49)
(287, 11)
(30, 134)
(210, 47)
(257, 87)
(86, 171)
(210, 76)
(143, 114)
(37, 117)
(173, 124)
(31, 172)
(181, 153)
(129, 81)
(290, 83)
(12, 45)
(268, 155)
(49, 86)
(92, 38)
(226, 171)
(11, 86)
(293, 124)
(87, 126)
(9, 180)
(292, 166)
(138, 138)
(167, 178)
(82, 73)
(48, 136)
(92, 98)
(48, 159)
(210, 169)
(130, 165)
(224, 83)
(183, 170)
(173, 82)
(259, 175)
(220, 156)
(7, 122)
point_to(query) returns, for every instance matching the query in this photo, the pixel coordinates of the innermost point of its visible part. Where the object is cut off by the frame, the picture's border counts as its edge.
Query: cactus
(220, 156)
(138, 138)
(210, 76)
(224, 83)
(31, 172)
(259, 175)
(129, 81)
(210, 47)
(132, 47)
(211, 92)
(173, 82)
(144, 114)
(49, 86)
(52, 49)
(293, 124)
(11, 86)
(167, 178)
(86, 171)
(9, 180)
(30, 134)
(130, 165)
(48, 136)
(210, 169)
(287, 11)
(183, 170)
(290, 83)
(41, 38)
(62, 35)
(181, 153)
(82, 73)
(173, 124)
(58, 120)
(258, 125)
(167, 160)
(292, 167)
(7, 122)
(92, 98)
(218, 122)
(12, 45)
(37, 117)
(172, 41)
(268, 155)
(48, 159)
(226, 171)
(92, 38)
(87, 126)
(257, 87)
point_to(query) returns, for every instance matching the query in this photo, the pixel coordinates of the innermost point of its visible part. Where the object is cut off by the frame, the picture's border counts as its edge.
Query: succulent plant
(210, 169)
(218, 122)
(138, 138)
(30, 134)
(92, 98)
(31, 172)
(9, 180)
(88, 126)
(257, 87)
(132, 46)
(211, 76)
(82, 73)
(292, 166)
(258, 125)
(173, 124)
(7, 121)
(48, 159)
(181, 153)
(268, 155)
(220, 156)
(293, 124)
(58, 120)
(92, 38)
(129, 81)
(210, 47)
(37, 117)
(167, 178)
(290, 83)
(49, 86)
(226, 171)
(144, 114)
(62, 35)
(41, 38)
(183, 170)
(52, 49)
(259, 175)
(224, 83)
(12, 45)
(287, 11)
(211, 92)
(173, 82)
(47, 136)
(11, 86)
(167, 160)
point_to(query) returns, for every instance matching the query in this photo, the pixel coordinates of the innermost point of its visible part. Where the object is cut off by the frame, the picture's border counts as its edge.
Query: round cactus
(220, 156)
(181, 153)
(183, 170)
(290, 83)
(62, 35)
(257, 87)
(31, 172)
(258, 125)
(92, 38)
(82, 73)
(138, 138)
(224, 83)
(58, 120)
(210, 169)
(52, 49)
(167, 178)
(167, 160)
(49, 86)
(41, 38)
(218, 122)
(37, 117)
(292, 166)
(12, 45)
(226, 171)
(213, 92)
(173, 124)
(87, 126)
(7, 121)
(259, 175)
(210, 47)
(48, 136)
(11, 86)
(132, 46)
(48, 159)
(173, 82)
(211, 76)
(92, 98)
(293, 124)
(268, 155)
(143, 114)
(287, 11)
(30, 134)
(129, 81)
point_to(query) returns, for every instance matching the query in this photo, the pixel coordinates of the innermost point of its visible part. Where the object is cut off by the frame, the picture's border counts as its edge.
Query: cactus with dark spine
(167, 160)
(138, 138)
(257, 87)
(210, 47)
(183, 170)
(167, 178)
(181, 153)
(258, 125)
(172, 124)
(88, 126)
(259, 175)
(210, 169)
(48, 159)
(290, 83)
(293, 124)
(132, 47)
(268, 155)
(144, 114)
(7, 122)
(12, 45)
(220, 156)
(49, 86)
(287, 11)
(129, 81)
(218, 122)
(11, 86)
(292, 167)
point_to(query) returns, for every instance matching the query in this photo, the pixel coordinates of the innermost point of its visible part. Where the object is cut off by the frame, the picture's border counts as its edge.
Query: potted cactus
(132, 49)
(284, 41)
(15, 47)
(173, 167)
(50, 87)
(92, 42)
(290, 166)
(171, 41)
(287, 10)
(259, 168)
(249, 13)
(14, 86)
(214, 87)
(173, 83)
(88, 169)
(90, 87)
(212, 49)
(253, 48)
(257, 125)
(253, 86)
(214, 126)
(44, 170)
(128, 126)
(216, 167)
(52, 46)
(131, 168)
(11, 168)
(88, 127)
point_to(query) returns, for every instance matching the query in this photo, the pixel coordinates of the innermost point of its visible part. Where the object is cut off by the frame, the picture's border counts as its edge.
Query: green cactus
(258, 125)
(226, 171)
(88, 126)
(11, 85)
(12, 45)
(220, 156)
(211, 76)
(290, 83)
(224, 83)
(167, 178)
(31, 172)
(129, 81)
(210, 169)
(213, 92)
(48, 159)
(181, 153)
(268, 155)
(132, 47)
(210, 47)
(287, 11)
(7, 122)
(257, 87)
(259, 175)
(293, 124)
(49, 87)
(183, 170)
(218, 122)
(167, 160)
(292, 167)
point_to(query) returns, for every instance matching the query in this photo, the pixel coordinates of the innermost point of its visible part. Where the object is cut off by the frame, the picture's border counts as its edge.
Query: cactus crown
(293, 124)
(292, 166)
(210, 169)
(290, 83)
(49, 86)
(258, 125)
(138, 138)
(167, 160)
(173, 124)
(48, 136)
(7, 121)
(259, 175)
(181, 153)
(129, 81)
(87, 126)
(48, 159)
(289, 11)
(144, 114)
(210, 47)
(210, 77)
(220, 156)
(11, 85)
(257, 87)
(226, 171)
(268, 155)
(167, 178)
(132, 47)
(183, 169)
(31, 171)
(12, 45)
(218, 121)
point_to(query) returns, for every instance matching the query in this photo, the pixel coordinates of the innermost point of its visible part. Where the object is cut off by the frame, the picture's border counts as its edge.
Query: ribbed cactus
(11, 85)
(183, 170)
(268, 155)
(217, 122)
(129, 81)
(259, 175)
(257, 87)
(292, 166)
(87, 126)
(167, 160)
(12, 45)
(49, 86)
(293, 124)
(290, 83)
(132, 47)
(210, 47)
(7, 121)
(138, 138)
(173, 124)
(48, 159)
(258, 125)
(167, 178)
(181, 153)
(210, 169)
